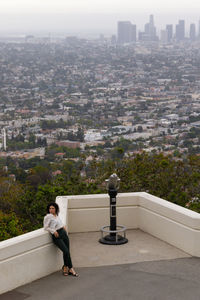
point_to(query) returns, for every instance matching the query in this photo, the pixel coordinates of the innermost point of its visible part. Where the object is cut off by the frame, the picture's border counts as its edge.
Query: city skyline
(128, 33)
(90, 17)
(86, 25)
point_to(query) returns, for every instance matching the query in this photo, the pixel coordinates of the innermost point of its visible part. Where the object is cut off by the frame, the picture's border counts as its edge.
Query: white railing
(32, 255)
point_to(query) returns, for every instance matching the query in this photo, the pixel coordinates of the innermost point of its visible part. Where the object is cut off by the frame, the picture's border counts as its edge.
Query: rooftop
(144, 268)
(160, 260)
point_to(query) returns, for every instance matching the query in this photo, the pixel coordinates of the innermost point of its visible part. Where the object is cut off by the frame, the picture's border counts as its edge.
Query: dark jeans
(62, 242)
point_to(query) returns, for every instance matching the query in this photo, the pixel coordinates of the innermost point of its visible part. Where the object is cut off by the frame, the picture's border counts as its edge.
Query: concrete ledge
(28, 266)
(170, 210)
(33, 255)
(24, 242)
(26, 258)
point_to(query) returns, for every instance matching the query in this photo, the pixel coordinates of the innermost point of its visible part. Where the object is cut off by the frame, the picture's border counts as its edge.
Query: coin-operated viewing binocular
(113, 238)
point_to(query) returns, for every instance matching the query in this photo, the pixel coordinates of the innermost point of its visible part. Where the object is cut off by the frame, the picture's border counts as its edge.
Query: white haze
(83, 25)
(98, 6)
(90, 17)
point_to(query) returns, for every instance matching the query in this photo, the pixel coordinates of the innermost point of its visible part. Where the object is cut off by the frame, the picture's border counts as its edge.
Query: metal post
(113, 217)
(113, 238)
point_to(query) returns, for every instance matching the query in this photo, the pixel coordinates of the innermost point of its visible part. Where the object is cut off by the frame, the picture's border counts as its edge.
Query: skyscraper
(180, 30)
(152, 28)
(133, 33)
(149, 33)
(199, 31)
(192, 32)
(163, 36)
(169, 29)
(126, 32)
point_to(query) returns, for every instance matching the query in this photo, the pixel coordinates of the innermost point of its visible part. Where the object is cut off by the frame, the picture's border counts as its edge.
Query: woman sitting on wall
(54, 225)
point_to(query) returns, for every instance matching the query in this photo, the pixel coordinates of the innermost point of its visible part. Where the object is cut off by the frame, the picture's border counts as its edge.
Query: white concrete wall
(32, 255)
(91, 212)
(26, 258)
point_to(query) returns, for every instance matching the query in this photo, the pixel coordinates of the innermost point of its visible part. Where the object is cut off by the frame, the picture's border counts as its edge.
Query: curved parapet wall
(32, 255)
(26, 258)
(169, 222)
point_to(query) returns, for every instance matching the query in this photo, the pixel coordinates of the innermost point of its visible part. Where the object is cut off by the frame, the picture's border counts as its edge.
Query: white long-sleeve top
(52, 223)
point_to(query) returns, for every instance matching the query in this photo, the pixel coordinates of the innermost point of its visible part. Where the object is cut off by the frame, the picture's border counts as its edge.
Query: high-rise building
(152, 28)
(169, 30)
(126, 32)
(180, 30)
(113, 39)
(149, 33)
(192, 32)
(199, 30)
(163, 36)
(133, 33)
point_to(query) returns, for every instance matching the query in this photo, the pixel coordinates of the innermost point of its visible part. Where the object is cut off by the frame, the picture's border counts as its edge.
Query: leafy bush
(9, 226)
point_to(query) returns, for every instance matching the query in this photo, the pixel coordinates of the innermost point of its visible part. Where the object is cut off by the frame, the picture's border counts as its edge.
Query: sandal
(73, 273)
(65, 270)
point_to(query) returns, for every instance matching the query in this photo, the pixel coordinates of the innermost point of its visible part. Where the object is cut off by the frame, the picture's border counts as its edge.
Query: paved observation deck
(145, 268)
(160, 261)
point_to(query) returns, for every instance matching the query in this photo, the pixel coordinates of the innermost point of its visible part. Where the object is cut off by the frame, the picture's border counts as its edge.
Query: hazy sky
(99, 6)
(91, 16)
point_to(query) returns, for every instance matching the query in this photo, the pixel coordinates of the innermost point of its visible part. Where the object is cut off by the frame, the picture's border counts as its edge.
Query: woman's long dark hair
(54, 204)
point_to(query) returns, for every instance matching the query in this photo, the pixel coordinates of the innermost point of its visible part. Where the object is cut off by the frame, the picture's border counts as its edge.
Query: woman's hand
(56, 234)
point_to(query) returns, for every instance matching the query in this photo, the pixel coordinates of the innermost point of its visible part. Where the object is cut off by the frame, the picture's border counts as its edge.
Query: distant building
(123, 32)
(113, 39)
(199, 30)
(142, 36)
(126, 32)
(59, 155)
(12, 176)
(29, 38)
(192, 32)
(71, 40)
(69, 144)
(149, 33)
(163, 36)
(57, 172)
(133, 33)
(169, 30)
(180, 30)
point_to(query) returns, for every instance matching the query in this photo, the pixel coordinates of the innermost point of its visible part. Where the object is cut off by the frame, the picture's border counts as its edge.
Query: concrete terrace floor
(145, 268)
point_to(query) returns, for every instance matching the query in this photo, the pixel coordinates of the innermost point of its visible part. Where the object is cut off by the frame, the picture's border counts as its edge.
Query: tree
(80, 134)
(10, 192)
(117, 153)
(32, 139)
(9, 226)
(38, 175)
(140, 128)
